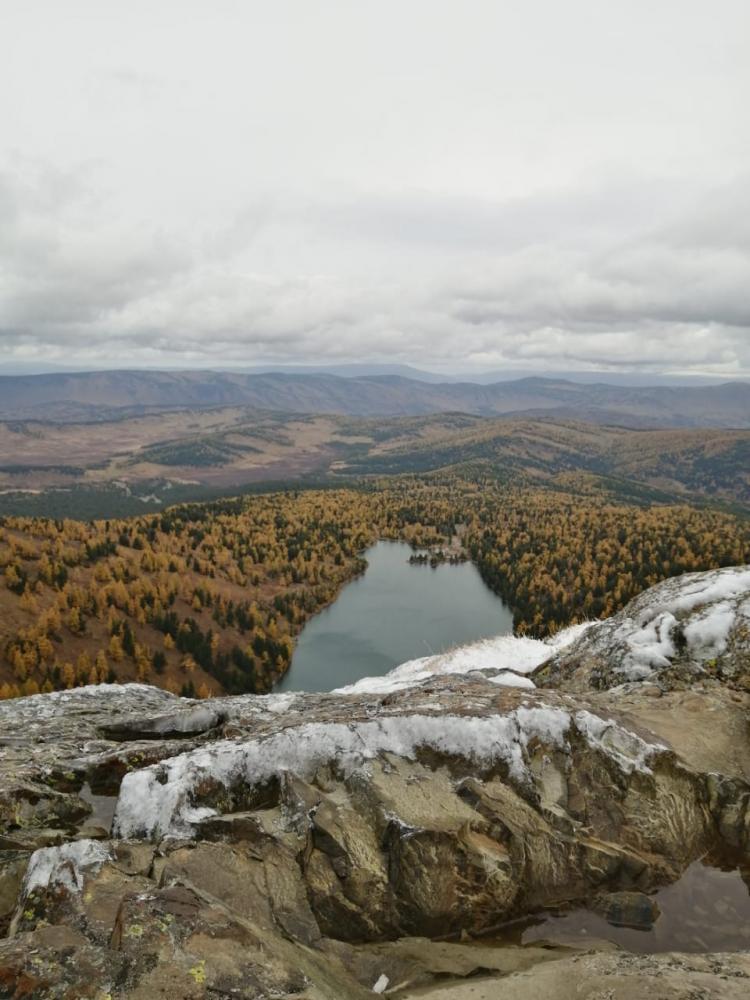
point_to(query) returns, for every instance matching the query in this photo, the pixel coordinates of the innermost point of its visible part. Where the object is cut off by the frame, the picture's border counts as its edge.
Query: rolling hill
(697, 463)
(135, 464)
(92, 396)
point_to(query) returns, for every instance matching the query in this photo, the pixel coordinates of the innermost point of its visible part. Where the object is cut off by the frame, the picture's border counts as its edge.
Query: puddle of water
(707, 909)
(102, 807)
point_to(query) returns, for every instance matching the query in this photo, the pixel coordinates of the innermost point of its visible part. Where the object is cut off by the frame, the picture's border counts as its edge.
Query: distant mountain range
(93, 396)
(630, 378)
(364, 369)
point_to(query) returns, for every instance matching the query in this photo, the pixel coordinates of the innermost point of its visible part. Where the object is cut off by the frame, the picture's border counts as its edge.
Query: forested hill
(101, 395)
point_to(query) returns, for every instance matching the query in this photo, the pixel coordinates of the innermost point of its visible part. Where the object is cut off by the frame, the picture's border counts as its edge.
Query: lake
(394, 612)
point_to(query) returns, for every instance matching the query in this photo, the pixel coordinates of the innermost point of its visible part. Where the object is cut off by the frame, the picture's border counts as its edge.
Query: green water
(394, 612)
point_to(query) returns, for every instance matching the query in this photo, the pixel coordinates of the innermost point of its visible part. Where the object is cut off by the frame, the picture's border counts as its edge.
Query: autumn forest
(208, 598)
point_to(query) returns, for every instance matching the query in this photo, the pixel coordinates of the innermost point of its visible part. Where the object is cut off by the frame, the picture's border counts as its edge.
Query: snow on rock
(649, 644)
(691, 616)
(509, 678)
(65, 865)
(261, 704)
(160, 800)
(277, 704)
(628, 749)
(68, 718)
(707, 634)
(504, 653)
(694, 590)
(62, 703)
(690, 622)
(156, 801)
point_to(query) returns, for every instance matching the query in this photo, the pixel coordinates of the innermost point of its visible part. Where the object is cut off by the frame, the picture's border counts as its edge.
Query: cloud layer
(120, 244)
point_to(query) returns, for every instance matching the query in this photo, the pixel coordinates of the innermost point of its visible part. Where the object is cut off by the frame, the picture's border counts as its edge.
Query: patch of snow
(711, 587)
(381, 985)
(157, 800)
(65, 865)
(548, 724)
(707, 635)
(509, 678)
(567, 636)
(649, 644)
(690, 616)
(504, 652)
(628, 749)
(277, 703)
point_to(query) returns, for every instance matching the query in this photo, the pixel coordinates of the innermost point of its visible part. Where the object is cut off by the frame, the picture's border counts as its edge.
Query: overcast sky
(452, 183)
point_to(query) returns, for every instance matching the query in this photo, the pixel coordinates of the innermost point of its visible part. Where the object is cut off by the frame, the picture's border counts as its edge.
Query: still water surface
(706, 909)
(394, 612)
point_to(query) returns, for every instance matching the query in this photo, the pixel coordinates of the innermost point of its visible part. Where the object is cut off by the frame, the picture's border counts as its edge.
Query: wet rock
(627, 909)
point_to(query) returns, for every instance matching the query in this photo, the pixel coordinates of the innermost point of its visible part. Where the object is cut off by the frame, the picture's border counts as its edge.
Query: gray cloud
(467, 204)
(555, 282)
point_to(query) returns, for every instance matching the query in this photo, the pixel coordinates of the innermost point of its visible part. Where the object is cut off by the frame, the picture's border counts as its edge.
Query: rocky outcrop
(692, 628)
(332, 845)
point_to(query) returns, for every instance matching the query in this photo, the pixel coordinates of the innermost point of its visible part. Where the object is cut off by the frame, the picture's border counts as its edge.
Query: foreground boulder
(327, 845)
